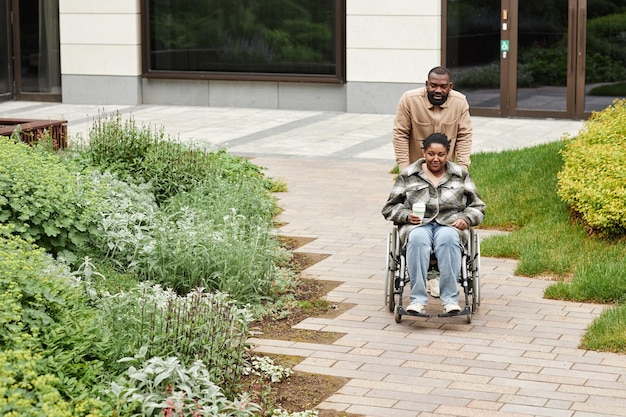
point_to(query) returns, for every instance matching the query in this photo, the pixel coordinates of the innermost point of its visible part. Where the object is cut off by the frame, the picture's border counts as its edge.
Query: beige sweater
(416, 118)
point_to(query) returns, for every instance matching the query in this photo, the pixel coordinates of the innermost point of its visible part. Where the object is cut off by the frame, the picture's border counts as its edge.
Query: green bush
(145, 154)
(593, 179)
(217, 236)
(44, 200)
(215, 231)
(120, 146)
(165, 387)
(26, 393)
(539, 66)
(206, 326)
(604, 69)
(125, 223)
(43, 312)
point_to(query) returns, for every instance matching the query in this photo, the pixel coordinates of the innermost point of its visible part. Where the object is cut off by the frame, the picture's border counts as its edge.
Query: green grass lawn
(520, 190)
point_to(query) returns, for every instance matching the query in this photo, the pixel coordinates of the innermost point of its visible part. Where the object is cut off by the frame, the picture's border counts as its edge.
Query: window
(245, 39)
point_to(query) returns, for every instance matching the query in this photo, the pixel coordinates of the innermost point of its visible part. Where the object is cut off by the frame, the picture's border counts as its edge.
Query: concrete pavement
(284, 133)
(519, 357)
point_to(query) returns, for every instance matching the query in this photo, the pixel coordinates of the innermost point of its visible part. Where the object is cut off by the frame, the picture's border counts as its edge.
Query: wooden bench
(31, 130)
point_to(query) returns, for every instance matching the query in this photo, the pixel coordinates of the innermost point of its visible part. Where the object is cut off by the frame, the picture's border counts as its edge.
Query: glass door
(510, 59)
(602, 43)
(472, 52)
(537, 58)
(6, 79)
(36, 48)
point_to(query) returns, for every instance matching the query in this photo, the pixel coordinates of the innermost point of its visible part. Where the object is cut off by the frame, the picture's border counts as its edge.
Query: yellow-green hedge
(593, 179)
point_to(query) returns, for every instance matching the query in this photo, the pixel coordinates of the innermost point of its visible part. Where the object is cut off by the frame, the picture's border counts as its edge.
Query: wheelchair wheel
(470, 295)
(391, 266)
(476, 272)
(396, 315)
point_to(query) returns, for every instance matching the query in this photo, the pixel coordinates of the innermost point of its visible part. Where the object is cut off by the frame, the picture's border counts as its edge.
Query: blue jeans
(446, 242)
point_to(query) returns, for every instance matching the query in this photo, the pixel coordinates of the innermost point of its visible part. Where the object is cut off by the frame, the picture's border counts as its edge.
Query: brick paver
(518, 357)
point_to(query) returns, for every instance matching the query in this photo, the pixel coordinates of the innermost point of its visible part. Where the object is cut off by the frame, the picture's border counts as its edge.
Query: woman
(452, 205)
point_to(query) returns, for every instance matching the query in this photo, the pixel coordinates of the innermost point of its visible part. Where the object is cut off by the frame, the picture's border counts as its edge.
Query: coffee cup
(419, 209)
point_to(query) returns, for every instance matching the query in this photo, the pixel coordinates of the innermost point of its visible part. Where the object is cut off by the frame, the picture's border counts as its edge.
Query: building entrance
(6, 68)
(30, 67)
(534, 58)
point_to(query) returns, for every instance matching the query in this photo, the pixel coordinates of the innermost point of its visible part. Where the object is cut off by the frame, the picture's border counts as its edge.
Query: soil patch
(302, 391)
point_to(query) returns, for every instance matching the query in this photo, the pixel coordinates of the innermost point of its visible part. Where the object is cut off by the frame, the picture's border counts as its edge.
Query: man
(435, 108)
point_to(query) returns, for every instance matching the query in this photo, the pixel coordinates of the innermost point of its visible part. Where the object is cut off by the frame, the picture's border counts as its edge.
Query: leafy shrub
(124, 229)
(146, 154)
(200, 325)
(264, 367)
(47, 203)
(26, 393)
(120, 146)
(217, 226)
(593, 179)
(165, 387)
(540, 66)
(43, 313)
(217, 236)
(279, 412)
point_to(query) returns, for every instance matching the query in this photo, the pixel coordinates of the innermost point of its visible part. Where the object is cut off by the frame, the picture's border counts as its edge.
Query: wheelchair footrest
(403, 312)
(467, 310)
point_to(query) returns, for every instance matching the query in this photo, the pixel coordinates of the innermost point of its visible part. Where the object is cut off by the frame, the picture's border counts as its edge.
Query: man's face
(437, 88)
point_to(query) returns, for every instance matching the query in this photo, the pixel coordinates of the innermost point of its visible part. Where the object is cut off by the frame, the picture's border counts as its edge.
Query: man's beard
(437, 102)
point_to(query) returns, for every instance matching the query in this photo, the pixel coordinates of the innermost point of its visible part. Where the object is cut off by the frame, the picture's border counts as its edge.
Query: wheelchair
(397, 276)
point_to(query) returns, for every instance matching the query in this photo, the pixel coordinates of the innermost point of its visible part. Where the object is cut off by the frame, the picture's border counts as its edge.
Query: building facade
(563, 58)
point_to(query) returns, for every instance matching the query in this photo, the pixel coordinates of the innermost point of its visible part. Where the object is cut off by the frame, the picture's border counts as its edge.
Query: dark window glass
(605, 73)
(39, 46)
(279, 37)
(473, 54)
(5, 52)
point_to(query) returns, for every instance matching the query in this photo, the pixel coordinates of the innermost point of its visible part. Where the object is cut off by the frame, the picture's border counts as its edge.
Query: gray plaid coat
(455, 197)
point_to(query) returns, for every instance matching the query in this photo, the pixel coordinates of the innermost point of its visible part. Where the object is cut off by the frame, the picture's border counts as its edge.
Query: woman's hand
(414, 219)
(460, 224)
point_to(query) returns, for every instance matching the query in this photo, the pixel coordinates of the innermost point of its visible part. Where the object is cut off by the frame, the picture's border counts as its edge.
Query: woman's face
(436, 156)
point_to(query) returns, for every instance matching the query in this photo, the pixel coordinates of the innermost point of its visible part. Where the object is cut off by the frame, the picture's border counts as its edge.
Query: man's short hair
(440, 71)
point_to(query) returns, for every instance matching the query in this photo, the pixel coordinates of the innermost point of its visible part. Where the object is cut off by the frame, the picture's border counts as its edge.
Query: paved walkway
(518, 357)
(284, 133)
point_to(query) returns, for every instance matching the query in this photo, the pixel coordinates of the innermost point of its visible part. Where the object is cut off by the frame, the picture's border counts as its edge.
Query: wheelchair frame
(397, 276)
